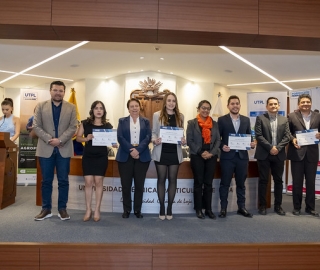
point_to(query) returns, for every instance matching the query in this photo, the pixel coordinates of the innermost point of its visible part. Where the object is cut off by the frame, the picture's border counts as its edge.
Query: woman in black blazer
(203, 139)
(133, 156)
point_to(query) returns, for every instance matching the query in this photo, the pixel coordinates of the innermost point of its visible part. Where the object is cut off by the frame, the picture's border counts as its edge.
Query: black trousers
(136, 170)
(203, 172)
(276, 166)
(300, 170)
(238, 167)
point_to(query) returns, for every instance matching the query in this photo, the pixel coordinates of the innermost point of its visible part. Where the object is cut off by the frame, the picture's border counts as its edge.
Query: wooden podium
(8, 170)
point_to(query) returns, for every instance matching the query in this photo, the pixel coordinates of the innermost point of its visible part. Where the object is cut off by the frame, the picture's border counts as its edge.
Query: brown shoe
(63, 215)
(45, 213)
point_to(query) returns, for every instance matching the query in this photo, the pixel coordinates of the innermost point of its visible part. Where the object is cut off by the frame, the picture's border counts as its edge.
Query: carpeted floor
(17, 225)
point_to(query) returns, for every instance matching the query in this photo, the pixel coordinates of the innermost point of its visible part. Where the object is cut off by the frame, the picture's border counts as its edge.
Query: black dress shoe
(200, 214)
(312, 212)
(138, 214)
(279, 211)
(262, 211)
(244, 212)
(223, 213)
(126, 214)
(210, 214)
(296, 212)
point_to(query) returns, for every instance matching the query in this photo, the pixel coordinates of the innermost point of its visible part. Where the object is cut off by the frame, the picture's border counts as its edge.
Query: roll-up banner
(293, 96)
(27, 167)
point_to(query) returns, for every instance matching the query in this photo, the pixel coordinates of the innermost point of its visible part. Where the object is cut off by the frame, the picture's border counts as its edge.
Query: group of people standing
(55, 124)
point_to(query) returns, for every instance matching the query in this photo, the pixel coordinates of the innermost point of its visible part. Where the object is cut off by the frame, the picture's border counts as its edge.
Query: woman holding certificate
(94, 159)
(167, 156)
(203, 139)
(133, 156)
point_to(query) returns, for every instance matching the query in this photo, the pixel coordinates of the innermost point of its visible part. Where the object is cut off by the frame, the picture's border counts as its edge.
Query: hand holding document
(239, 141)
(171, 134)
(104, 137)
(307, 137)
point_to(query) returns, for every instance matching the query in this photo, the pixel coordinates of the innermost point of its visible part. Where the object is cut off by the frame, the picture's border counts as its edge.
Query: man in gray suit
(55, 123)
(304, 159)
(272, 135)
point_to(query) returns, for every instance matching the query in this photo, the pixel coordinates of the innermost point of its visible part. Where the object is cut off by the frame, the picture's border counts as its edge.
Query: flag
(73, 100)
(218, 110)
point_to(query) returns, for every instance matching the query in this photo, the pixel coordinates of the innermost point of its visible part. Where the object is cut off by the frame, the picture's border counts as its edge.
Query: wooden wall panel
(291, 257)
(31, 12)
(19, 257)
(95, 257)
(33, 32)
(141, 14)
(224, 16)
(295, 18)
(185, 257)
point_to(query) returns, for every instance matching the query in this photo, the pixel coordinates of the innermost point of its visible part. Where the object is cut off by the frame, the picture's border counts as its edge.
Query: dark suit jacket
(123, 134)
(225, 128)
(194, 138)
(296, 123)
(264, 137)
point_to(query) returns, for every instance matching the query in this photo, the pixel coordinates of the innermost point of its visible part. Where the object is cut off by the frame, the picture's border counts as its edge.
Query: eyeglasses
(206, 108)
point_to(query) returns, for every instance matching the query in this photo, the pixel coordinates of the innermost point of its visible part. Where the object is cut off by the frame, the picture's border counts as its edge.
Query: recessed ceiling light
(159, 70)
(129, 71)
(141, 57)
(141, 70)
(161, 58)
(171, 72)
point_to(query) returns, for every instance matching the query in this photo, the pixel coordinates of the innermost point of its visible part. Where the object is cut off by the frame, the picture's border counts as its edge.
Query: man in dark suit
(304, 159)
(272, 135)
(233, 161)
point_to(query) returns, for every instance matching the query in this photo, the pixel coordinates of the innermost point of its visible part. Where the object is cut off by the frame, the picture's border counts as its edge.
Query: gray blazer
(44, 128)
(195, 141)
(156, 151)
(264, 137)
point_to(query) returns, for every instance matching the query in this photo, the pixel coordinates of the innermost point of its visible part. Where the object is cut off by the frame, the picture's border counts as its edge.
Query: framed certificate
(171, 134)
(307, 137)
(239, 141)
(104, 137)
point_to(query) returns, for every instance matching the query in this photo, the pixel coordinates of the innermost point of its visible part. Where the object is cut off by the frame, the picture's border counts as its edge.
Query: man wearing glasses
(233, 161)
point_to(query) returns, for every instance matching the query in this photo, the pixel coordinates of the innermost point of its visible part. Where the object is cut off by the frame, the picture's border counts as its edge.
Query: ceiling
(102, 60)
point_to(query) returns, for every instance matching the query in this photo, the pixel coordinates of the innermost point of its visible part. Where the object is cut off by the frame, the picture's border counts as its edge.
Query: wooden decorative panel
(294, 18)
(31, 12)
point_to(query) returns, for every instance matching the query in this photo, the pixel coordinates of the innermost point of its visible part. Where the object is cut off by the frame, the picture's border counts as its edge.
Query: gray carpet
(17, 225)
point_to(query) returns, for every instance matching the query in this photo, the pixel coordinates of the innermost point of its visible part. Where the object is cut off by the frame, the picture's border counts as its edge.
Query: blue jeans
(62, 166)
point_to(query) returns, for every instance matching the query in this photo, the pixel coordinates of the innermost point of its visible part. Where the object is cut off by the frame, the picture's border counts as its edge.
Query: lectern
(8, 170)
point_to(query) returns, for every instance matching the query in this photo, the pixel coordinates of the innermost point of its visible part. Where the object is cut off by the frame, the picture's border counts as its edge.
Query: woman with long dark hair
(9, 122)
(95, 158)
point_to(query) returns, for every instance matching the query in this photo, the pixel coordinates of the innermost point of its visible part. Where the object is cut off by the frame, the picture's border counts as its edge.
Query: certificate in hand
(171, 134)
(307, 137)
(239, 141)
(104, 137)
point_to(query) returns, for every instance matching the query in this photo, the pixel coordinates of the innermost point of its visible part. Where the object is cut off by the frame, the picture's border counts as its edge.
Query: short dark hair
(201, 103)
(133, 99)
(272, 98)
(304, 96)
(58, 83)
(233, 97)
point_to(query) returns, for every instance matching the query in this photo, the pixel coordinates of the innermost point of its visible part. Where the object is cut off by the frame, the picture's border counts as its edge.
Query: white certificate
(104, 137)
(239, 141)
(171, 134)
(307, 137)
